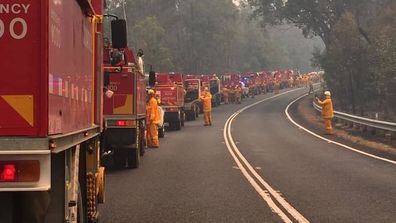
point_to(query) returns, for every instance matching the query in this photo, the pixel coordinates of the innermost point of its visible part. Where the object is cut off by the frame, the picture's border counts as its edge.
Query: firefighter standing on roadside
(206, 99)
(225, 92)
(327, 111)
(277, 86)
(152, 119)
(310, 84)
(232, 94)
(238, 94)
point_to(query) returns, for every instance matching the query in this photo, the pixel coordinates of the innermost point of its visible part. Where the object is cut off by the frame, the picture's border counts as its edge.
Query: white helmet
(327, 93)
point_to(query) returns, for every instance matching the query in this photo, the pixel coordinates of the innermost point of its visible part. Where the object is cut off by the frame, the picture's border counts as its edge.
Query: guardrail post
(388, 137)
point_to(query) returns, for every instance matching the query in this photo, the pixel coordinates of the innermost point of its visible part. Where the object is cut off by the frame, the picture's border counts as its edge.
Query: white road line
(331, 141)
(231, 145)
(263, 193)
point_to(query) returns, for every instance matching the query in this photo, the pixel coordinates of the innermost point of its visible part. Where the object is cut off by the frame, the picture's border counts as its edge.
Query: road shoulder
(304, 114)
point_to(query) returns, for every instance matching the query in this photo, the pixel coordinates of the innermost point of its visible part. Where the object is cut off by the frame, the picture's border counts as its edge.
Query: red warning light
(8, 173)
(121, 123)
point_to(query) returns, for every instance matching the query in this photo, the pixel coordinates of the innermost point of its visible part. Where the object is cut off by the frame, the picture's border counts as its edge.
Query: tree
(149, 36)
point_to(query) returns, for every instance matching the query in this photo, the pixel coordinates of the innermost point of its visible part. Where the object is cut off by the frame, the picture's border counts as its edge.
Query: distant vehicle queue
(85, 104)
(183, 97)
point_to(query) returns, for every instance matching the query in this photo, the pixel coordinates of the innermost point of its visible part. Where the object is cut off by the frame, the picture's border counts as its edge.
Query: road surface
(255, 167)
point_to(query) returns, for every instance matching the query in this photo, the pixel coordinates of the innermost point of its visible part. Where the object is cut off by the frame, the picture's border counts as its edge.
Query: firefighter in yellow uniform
(327, 111)
(277, 86)
(226, 95)
(153, 118)
(238, 94)
(206, 99)
(231, 94)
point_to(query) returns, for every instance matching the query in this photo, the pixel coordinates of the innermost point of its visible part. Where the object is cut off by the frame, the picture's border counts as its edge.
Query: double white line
(263, 188)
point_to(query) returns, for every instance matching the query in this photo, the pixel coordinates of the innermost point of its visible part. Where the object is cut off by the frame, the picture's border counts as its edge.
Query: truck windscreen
(214, 87)
(191, 95)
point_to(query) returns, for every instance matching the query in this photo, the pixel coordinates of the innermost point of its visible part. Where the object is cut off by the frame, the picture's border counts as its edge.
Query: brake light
(172, 109)
(20, 171)
(121, 123)
(8, 173)
(125, 123)
(173, 88)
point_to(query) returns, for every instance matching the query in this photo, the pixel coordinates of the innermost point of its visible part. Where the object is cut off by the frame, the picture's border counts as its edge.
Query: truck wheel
(177, 125)
(140, 140)
(193, 114)
(134, 158)
(196, 112)
(119, 159)
(182, 120)
(161, 132)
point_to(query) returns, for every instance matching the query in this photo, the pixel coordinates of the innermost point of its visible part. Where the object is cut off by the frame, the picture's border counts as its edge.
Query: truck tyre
(119, 159)
(188, 116)
(193, 114)
(140, 139)
(177, 125)
(182, 118)
(133, 158)
(133, 155)
(161, 132)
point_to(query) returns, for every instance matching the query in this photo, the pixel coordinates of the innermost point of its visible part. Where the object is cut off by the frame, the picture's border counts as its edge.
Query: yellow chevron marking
(22, 104)
(126, 109)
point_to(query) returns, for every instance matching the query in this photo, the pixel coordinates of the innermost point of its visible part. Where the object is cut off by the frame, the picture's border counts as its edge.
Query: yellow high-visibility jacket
(225, 92)
(153, 114)
(327, 108)
(206, 99)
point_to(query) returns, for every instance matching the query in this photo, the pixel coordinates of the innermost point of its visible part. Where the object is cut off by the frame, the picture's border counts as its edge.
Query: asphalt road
(193, 177)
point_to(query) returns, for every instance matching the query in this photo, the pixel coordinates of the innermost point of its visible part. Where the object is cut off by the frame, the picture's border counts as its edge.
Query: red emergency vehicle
(192, 85)
(252, 82)
(212, 82)
(230, 80)
(50, 103)
(124, 110)
(170, 90)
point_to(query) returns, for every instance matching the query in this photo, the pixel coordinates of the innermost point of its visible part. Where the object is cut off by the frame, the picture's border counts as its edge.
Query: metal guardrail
(388, 126)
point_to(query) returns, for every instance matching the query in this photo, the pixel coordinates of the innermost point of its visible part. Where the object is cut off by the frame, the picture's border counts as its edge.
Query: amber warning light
(20, 171)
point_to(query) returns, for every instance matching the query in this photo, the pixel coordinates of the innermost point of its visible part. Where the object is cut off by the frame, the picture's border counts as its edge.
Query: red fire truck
(230, 80)
(191, 99)
(125, 110)
(50, 103)
(212, 82)
(170, 90)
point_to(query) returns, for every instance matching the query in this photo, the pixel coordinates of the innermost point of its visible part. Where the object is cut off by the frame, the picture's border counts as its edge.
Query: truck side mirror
(119, 33)
(152, 78)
